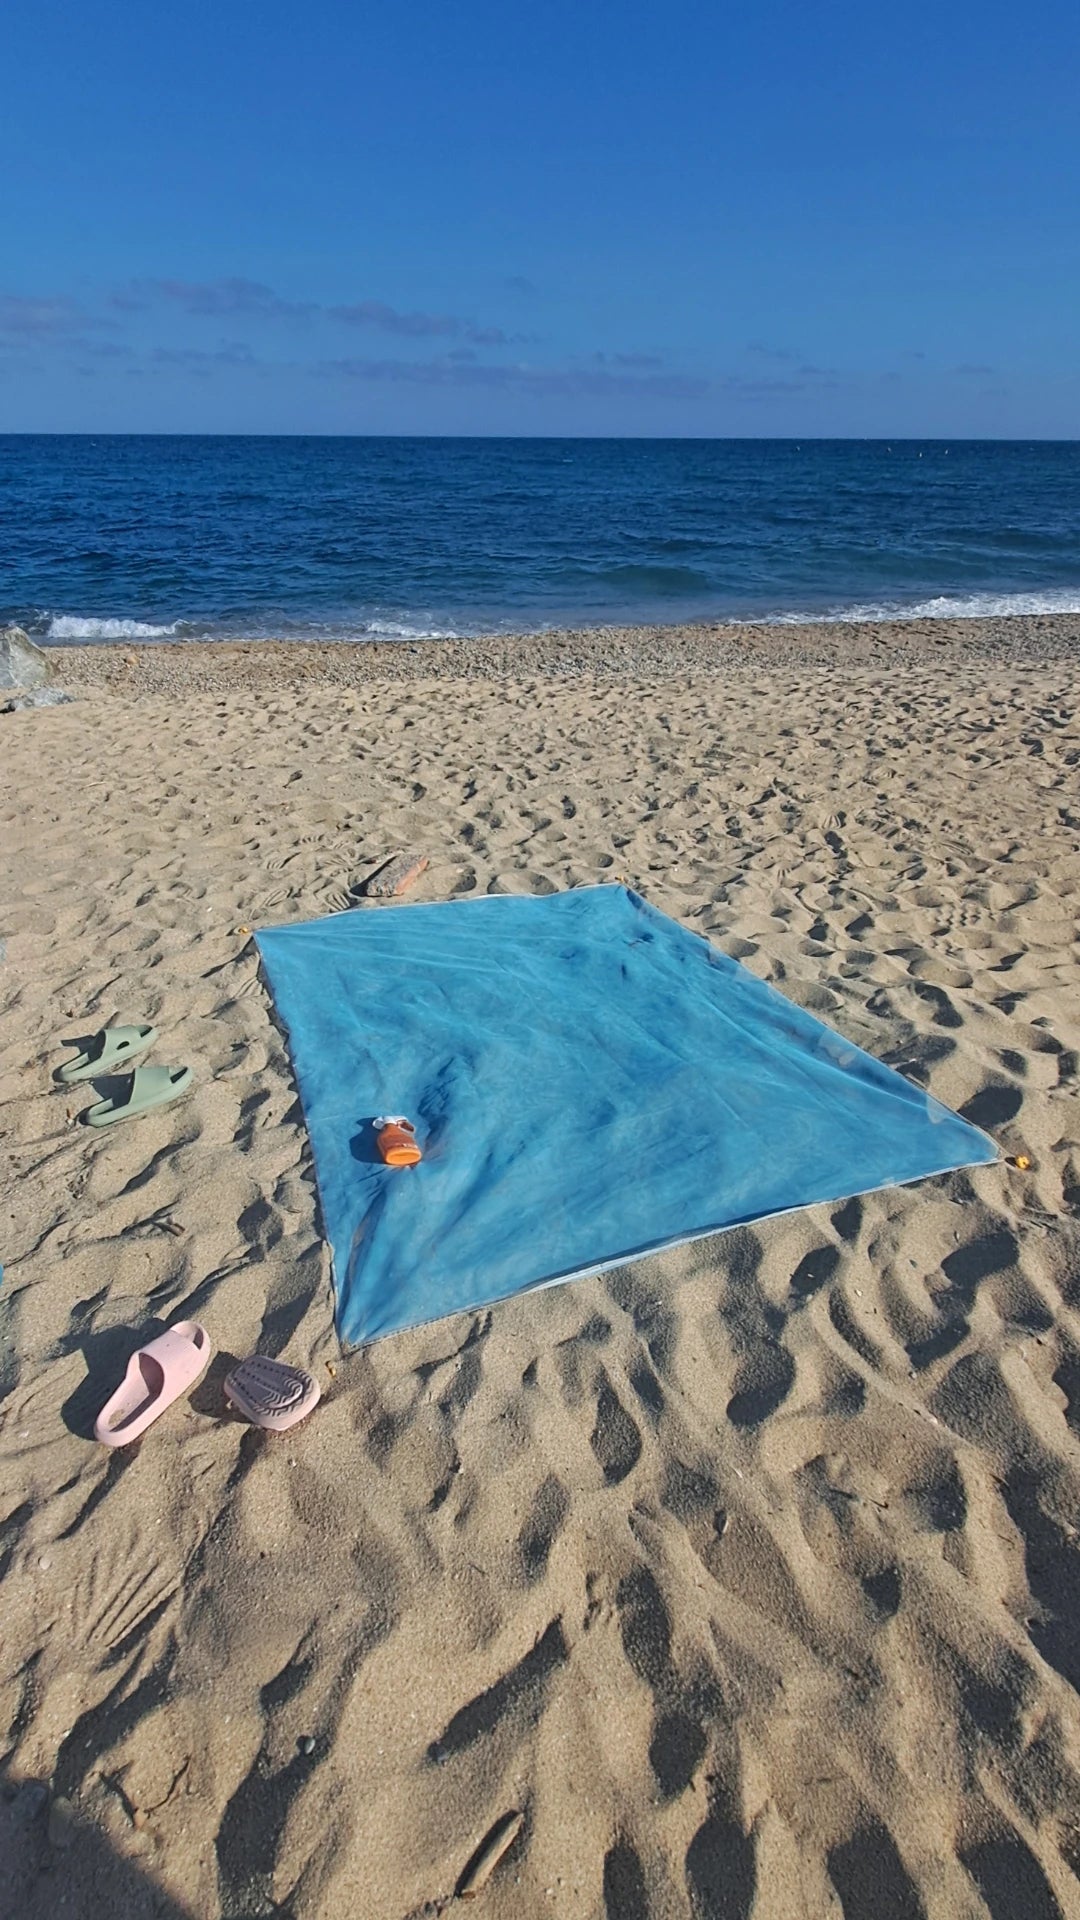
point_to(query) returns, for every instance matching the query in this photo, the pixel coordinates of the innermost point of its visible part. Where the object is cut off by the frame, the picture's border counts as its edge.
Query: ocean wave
(398, 630)
(640, 577)
(77, 626)
(947, 606)
(67, 628)
(71, 628)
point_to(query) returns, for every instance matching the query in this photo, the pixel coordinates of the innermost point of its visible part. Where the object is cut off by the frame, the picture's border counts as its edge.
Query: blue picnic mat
(589, 1081)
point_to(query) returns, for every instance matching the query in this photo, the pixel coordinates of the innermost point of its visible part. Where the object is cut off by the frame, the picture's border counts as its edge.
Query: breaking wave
(943, 606)
(76, 626)
(398, 630)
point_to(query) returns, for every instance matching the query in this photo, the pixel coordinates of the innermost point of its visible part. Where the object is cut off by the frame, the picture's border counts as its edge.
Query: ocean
(174, 537)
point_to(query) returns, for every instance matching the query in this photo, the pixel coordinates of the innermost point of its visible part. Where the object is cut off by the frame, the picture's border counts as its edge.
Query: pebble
(306, 1743)
(29, 1800)
(61, 1823)
(616, 653)
(38, 697)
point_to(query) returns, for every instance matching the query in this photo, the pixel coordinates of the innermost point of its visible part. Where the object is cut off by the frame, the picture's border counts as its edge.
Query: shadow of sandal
(208, 1395)
(82, 1043)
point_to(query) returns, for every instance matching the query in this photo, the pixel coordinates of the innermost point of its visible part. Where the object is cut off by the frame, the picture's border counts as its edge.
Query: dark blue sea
(190, 538)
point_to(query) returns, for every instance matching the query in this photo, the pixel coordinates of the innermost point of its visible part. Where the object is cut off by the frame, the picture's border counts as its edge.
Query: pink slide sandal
(270, 1393)
(156, 1376)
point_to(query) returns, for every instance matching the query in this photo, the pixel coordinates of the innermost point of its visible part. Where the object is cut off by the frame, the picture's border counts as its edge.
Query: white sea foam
(76, 626)
(944, 606)
(73, 627)
(397, 630)
(988, 606)
(70, 627)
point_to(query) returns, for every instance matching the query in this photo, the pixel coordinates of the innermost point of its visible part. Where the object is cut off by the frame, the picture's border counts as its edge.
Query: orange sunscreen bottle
(396, 1142)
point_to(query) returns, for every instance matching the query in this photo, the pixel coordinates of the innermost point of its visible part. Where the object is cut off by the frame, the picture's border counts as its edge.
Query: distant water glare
(168, 539)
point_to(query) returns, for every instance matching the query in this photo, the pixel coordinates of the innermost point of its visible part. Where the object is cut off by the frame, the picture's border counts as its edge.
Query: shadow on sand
(56, 1862)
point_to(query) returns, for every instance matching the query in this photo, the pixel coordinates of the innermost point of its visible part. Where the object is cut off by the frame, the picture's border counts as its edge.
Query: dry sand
(747, 1576)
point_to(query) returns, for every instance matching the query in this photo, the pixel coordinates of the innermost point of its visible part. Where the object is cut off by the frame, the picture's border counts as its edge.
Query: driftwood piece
(495, 1844)
(395, 876)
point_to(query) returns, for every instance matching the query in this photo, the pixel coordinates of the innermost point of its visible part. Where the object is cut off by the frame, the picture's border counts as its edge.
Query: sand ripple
(746, 1576)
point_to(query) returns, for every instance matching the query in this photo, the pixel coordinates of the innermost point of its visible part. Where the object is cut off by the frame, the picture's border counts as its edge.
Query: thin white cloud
(28, 318)
(451, 372)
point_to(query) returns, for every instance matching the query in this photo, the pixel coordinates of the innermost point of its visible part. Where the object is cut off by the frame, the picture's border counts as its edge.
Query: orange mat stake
(396, 1141)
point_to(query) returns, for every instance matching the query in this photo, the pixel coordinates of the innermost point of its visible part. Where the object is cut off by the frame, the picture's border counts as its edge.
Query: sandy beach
(740, 1584)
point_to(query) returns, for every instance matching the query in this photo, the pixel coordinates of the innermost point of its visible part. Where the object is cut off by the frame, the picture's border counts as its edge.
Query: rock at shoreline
(39, 697)
(21, 663)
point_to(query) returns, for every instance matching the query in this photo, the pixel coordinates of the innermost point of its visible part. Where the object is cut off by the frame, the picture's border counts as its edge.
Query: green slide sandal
(109, 1050)
(148, 1087)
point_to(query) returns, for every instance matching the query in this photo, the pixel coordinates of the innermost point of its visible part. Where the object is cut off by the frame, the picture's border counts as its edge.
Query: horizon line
(744, 439)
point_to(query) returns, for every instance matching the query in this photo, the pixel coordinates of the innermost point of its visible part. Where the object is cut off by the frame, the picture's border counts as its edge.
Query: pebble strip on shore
(602, 652)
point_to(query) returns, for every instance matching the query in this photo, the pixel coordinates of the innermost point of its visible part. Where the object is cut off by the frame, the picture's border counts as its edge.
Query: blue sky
(570, 218)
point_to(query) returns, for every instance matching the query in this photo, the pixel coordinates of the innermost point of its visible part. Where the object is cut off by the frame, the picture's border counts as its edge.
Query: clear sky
(575, 216)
